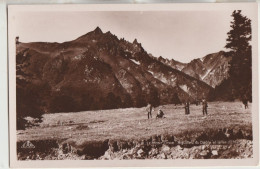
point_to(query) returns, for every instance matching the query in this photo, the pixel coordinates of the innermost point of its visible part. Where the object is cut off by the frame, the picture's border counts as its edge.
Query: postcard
(133, 85)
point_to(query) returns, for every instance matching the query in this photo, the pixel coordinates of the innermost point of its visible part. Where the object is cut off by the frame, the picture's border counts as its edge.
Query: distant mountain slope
(219, 67)
(211, 69)
(100, 71)
(173, 63)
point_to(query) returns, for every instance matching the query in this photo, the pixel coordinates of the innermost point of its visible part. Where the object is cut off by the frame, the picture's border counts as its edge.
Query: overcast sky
(180, 35)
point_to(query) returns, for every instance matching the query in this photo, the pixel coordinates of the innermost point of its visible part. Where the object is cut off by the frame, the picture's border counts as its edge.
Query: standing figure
(149, 109)
(204, 107)
(187, 107)
(245, 102)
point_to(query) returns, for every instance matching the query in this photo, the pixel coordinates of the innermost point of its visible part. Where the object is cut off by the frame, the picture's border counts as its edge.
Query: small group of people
(149, 110)
(204, 107)
(160, 113)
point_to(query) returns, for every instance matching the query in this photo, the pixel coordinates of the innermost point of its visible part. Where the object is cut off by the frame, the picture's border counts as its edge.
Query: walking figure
(187, 107)
(204, 107)
(149, 110)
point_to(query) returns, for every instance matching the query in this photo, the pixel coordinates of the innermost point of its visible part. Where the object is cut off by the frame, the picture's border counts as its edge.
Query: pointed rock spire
(108, 32)
(135, 41)
(98, 31)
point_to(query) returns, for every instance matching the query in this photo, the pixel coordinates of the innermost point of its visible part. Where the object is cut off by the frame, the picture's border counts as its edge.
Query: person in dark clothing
(204, 107)
(149, 109)
(187, 107)
(245, 102)
(160, 114)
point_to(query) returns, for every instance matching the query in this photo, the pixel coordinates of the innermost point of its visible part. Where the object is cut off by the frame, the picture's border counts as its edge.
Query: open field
(128, 134)
(132, 123)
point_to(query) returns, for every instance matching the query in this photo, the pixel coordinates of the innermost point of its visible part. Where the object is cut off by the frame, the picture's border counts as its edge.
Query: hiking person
(160, 114)
(245, 102)
(187, 107)
(204, 107)
(149, 109)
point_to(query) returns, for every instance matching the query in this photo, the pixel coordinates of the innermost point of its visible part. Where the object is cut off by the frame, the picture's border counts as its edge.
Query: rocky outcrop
(241, 149)
(223, 143)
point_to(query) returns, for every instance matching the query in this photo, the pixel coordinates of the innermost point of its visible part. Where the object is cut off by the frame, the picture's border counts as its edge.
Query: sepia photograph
(133, 82)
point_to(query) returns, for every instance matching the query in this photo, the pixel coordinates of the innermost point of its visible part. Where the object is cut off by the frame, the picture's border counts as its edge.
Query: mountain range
(100, 71)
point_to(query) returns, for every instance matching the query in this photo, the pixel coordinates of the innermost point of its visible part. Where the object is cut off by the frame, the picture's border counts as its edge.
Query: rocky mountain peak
(108, 32)
(135, 41)
(98, 31)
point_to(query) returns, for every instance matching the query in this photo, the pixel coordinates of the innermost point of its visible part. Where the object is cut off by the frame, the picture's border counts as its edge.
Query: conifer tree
(238, 44)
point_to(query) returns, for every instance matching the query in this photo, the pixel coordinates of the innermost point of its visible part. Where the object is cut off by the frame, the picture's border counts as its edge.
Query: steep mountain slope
(195, 69)
(212, 69)
(99, 71)
(218, 67)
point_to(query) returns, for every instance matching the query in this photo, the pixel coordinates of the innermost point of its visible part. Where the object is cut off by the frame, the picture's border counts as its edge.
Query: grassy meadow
(132, 123)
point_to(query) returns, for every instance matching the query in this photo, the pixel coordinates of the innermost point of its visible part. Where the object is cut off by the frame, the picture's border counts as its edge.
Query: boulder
(140, 153)
(162, 156)
(154, 152)
(203, 153)
(178, 147)
(214, 152)
(166, 149)
(107, 155)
